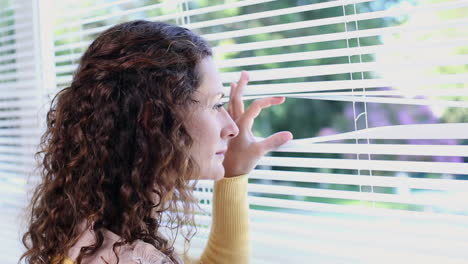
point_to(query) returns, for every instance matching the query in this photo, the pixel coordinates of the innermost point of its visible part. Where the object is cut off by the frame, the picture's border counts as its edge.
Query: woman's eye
(219, 106)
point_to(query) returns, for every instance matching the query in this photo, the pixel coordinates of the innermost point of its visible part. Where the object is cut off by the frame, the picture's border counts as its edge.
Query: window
(20, 101)
(377, 102)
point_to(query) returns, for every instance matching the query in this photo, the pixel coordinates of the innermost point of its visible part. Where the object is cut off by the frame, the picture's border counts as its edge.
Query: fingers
(274, 141)
(256, 108)
(236, 105)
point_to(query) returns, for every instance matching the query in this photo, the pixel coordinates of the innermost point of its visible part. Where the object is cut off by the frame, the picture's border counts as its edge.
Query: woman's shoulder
(138, 252)
(145, 253)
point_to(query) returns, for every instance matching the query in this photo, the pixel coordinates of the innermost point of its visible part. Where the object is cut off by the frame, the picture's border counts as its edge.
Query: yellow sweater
(229, 240)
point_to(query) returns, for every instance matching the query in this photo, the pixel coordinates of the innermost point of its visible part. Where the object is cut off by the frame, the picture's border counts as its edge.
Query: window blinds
(377, 100)
(23, 75)
(387, 185)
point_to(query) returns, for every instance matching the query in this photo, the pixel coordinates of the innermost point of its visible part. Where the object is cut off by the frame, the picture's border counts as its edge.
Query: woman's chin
(218, 175)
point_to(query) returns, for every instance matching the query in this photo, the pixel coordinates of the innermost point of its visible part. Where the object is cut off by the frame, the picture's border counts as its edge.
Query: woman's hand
(243, 151)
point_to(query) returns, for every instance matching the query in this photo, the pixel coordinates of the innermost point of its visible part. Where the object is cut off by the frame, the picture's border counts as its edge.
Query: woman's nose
(230, 130)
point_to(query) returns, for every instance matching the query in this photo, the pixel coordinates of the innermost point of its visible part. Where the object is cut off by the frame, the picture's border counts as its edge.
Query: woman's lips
(222, 152)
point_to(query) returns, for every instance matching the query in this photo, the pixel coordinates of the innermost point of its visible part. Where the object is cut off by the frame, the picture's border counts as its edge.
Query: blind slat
(427, 92)
(22, 84)
(337, 85)
(433, 200)
(378, 165)
(383, 100)
(296, 72)
(362, 33)
(89, 10)
(355, 209)
(419, 131)
(20, 47)
(13, 140)
(383, 149)
(18, 54)
(351, 179)
(341, 52)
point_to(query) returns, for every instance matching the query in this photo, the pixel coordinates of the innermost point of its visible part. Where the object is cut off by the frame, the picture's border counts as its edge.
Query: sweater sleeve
(229, 240)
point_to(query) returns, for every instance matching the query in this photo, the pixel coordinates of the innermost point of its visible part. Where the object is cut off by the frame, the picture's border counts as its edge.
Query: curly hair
(115, 153)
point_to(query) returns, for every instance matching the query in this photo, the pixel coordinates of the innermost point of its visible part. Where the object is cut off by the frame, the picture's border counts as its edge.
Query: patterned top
(138, 252)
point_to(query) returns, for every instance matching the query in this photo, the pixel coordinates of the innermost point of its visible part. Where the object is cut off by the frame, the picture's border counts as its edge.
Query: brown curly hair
(115, 152)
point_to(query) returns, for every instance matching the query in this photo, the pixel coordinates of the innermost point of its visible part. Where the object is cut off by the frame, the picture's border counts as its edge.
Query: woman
(140, 121)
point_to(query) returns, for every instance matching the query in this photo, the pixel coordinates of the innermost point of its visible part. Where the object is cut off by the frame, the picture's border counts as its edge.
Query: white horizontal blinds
(19, 125)
(387, 176)
(74, 32)
(73, 35)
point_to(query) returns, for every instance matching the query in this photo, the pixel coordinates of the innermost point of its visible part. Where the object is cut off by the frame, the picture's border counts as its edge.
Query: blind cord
(364, 113)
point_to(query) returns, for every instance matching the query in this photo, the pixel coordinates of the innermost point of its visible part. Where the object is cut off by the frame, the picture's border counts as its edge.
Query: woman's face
(209, 124)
